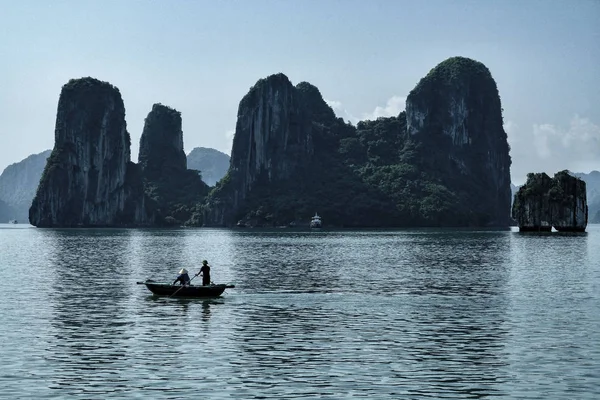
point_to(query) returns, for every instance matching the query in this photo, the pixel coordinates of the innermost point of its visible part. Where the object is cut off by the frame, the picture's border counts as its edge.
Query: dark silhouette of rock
(174, 189)
(273, 138)
(445, 162)
(455, 115)
(211, 163)
(161, 143)
(89, 179)
(544, 202)
(19, 182)
(272, 116)
(568, 199)
(531, 205)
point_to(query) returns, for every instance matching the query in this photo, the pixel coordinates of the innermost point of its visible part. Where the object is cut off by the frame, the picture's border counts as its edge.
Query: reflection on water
(91, 329)
(371, 314)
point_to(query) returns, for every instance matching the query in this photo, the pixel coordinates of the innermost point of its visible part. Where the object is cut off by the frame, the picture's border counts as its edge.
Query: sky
(201, 58)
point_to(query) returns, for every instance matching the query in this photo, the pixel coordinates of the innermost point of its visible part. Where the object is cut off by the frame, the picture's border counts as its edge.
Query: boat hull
(167, 289)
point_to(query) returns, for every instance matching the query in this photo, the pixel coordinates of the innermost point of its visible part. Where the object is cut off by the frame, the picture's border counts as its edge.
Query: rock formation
(211, 163)
(89, 179)
(273, 138)
(544, 202)
(167, 181)
(19, 182)
(531, 205)
(273, 134)
(454, 113)
(445, 162)
(161, 143)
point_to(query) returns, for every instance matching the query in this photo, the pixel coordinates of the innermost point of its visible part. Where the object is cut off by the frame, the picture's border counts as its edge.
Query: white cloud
(229, 140)
(334, 104)
(341, 112)
(551, 148)
(580, 142)
(511, 128)
(394, 106)
(542, 136)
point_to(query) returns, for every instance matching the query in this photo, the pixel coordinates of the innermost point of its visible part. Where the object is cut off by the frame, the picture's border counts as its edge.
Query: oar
(182, 286)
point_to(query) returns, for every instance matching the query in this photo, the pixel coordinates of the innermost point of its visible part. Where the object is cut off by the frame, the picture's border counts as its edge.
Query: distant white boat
(315, 221)
(13, 221)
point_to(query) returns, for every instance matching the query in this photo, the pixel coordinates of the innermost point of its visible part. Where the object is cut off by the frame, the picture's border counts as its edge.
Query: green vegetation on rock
(450, 169)
(443, 162)
(173, 190)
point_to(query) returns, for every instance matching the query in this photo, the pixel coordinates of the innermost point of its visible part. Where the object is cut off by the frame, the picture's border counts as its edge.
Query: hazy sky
(201, 57)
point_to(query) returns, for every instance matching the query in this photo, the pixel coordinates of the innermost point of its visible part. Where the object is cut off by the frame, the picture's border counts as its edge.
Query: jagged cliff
(455, 115)
(531, 205)
(211, 163)
(544, 202)
(161, 143)
(19, 182)
(273, 139)
(273, 134)
(167, 182)
(89, 179)
(568, 199)
(443, 162)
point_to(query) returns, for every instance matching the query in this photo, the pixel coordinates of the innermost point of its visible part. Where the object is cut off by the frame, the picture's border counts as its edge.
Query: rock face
(455, 114)
(531, 205)
(167, 181)
(161, 143)
(89, 179)
(443, 162)
(568, 199)
(211, 163)
(272, 133)
(273, 139)
(19, 182)
(544, 202)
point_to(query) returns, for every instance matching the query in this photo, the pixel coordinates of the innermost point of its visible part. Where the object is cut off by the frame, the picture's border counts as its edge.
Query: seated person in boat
(183, 278)
(205, 272)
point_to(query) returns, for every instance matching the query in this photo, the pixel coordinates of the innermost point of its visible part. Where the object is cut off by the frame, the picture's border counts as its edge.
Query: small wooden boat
(168, 289)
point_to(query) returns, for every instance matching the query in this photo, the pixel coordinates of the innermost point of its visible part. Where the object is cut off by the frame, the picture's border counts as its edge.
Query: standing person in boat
(183, 278)
(205, 272)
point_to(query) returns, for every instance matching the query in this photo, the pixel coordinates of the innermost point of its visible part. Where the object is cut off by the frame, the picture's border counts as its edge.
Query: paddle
(182, 286)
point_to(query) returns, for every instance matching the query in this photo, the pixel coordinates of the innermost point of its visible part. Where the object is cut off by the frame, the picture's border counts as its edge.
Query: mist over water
(328, 314)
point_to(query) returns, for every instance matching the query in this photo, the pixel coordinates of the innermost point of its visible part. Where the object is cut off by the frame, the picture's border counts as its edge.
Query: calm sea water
(330, 314)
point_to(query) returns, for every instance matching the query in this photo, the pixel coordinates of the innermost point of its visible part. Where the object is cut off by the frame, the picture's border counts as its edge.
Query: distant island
(544, 203)
(18, 184)
(212, 164)
(444, 162)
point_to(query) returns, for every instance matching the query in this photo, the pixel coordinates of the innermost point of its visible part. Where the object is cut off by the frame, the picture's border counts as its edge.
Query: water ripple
(371, 314)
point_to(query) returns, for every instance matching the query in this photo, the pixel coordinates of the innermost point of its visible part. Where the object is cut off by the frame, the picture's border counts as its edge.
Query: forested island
(444, 162)
(544, 203)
